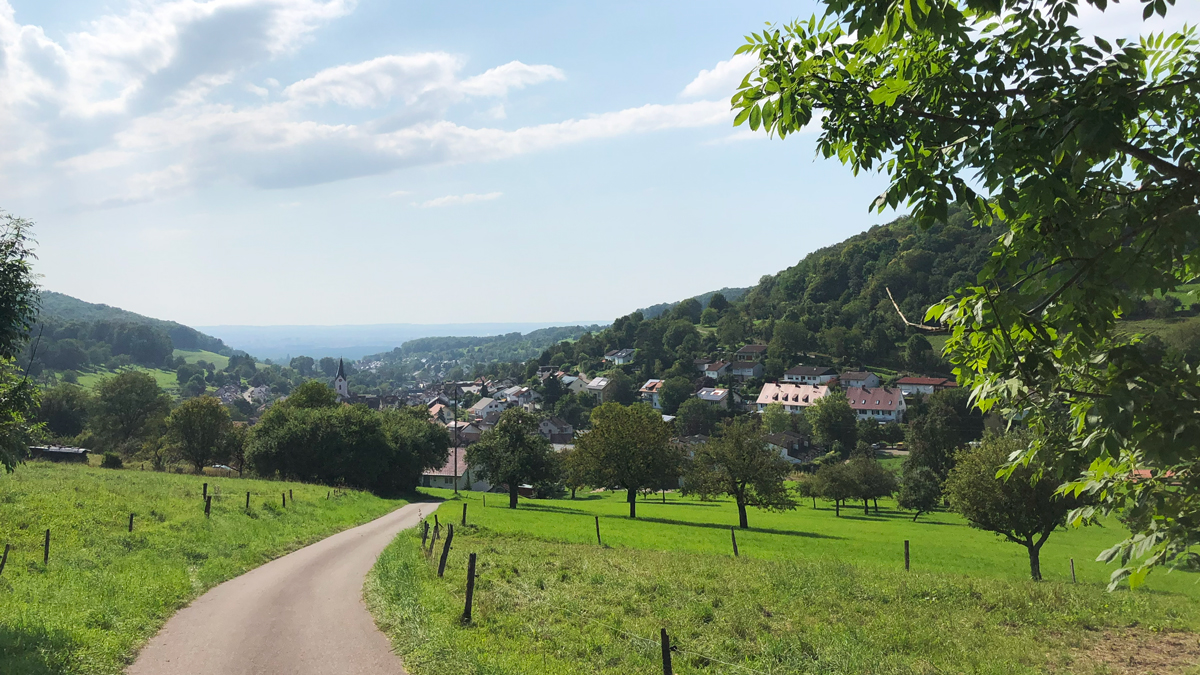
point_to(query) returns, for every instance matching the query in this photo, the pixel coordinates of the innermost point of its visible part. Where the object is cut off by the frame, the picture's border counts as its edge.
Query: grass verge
(106, 590)
(550, 607)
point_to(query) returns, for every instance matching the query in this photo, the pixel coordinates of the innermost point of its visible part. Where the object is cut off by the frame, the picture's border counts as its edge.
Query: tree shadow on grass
(764, 530)
(35, 651)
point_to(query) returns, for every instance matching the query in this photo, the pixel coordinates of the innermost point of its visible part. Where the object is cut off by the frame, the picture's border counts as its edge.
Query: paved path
(301, 614)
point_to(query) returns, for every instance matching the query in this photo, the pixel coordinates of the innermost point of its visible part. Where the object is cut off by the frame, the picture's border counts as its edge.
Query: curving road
(301, 614)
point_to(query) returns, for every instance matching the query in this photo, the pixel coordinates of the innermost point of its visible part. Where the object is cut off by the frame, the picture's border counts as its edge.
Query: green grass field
(107, 590)
(194, 355)
(810, 592)
(165, 378)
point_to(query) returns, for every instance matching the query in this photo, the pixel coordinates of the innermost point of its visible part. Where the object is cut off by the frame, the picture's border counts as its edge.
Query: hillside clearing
(107, 590)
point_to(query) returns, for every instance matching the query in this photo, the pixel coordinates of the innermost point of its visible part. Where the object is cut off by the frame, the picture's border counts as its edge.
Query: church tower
(340, 385)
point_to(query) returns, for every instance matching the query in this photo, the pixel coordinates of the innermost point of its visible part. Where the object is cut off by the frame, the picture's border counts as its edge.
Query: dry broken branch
(931, 329)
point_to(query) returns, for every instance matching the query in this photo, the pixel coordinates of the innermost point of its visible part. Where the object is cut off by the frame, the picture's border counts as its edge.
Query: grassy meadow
(165, 378)
(810, 592)
(107, 590)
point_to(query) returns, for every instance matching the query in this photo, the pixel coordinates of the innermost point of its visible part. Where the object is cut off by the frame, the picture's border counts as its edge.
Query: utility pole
(456, 437)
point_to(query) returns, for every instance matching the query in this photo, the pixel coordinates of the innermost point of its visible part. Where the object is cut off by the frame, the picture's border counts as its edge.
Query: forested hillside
(655, 311)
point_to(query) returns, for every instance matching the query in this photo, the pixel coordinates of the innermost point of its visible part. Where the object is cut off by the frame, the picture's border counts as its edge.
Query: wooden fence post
(283, 495)
(46, 549)
(905, 555)
(425, 535)
(598, 543)
(464, 513)
(445, 550)
(131, 522)
(733, 536)
(1073, 570)
(247, 501)
(290, 495)
(666, 651)
(485, 501)
(204, 495)
(466, 617)
(4, 560)
(435, 522)
(207, 506)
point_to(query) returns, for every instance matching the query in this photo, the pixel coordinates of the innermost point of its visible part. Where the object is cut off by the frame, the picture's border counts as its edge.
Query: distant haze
(279, 343)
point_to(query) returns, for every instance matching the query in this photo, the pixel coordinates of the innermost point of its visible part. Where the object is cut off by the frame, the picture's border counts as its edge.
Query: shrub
(111, 461)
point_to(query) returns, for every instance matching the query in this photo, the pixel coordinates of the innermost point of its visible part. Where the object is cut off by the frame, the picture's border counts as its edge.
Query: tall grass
(107, 590)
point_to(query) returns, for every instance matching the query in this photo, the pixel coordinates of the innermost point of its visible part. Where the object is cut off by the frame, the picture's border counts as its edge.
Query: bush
(112, 461)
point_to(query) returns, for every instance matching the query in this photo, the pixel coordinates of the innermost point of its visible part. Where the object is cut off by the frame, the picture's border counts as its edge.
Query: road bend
(302, 614)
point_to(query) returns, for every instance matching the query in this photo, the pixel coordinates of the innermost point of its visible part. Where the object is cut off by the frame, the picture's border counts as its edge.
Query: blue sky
(340, 162)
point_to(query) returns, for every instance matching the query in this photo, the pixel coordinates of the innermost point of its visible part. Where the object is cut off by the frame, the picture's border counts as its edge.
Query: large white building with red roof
(879, 403)
(793, 397)
(924, 385)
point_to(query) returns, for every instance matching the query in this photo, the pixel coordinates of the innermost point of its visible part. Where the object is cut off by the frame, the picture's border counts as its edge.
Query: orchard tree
(872, 481)
(833, 421)
(920, 490)
(946, 423)
(127, 405)
(674, 392)
(836, 482)
(695, 417)
(1080, 154)
(199, 425)
(739, 463)
(512, 453)
(776, 418)
(1023, 507)
(64, 410)
(627, 449)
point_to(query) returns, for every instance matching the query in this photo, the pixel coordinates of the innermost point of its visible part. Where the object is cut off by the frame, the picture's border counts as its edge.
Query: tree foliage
(1080, 157)
(199, 425)
(739, 463)
(126, 407)
(512, 453)
(945, 423)
(833, 422)
(628, 448)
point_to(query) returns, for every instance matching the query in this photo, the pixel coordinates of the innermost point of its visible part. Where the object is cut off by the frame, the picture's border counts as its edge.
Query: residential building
(879, 404)
(752, 353)
(619, 356)
(746, 369)
(574, 384)
(601, 388)
(924, 385)
(485, 406)
(465, 433)
(792, 446)
(650, 393)
(440, 412)
(809, 374)
(858, 378)
(717, 397)
(714, 371)
(793, 397)
(228, 393)
(455, 471)
(556, 430)
(702, 364)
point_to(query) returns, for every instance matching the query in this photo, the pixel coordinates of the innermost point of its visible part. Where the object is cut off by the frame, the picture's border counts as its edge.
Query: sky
(326, 162)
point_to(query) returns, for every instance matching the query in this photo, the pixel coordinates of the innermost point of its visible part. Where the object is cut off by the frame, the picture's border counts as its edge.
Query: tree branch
(1165, 167)
(931, 329)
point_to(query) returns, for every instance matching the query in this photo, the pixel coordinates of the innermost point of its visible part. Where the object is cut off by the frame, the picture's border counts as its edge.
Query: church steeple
(340, 385)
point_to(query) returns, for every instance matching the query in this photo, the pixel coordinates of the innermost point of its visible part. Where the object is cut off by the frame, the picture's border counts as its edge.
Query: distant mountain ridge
(66, 308)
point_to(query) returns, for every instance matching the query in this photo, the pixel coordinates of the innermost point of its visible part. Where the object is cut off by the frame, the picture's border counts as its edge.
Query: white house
(714, 371)
(746, 369)
(924, 385)
(485, 406)
(858, 378)
(751, 353)
(651, 393)
(879, 404)
(619, 356)
(809, 375)
(793, 397)
(454, 471)
(790, 445)
(573, 384)
(557, 430)
(717, 397)
(601, 388)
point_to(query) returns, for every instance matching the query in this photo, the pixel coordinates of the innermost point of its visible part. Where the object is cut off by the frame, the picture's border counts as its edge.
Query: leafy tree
(303, 365)
(512, 453)
(126, 406)
(626, 449)
(18, 308)
(776, 418)
(574, 473)
(64, 410)
(673, 393)
(739, 463)
(328, 366)
(199, 425)
(552, 391)
(718, 302)
(918, 353)
(196, 386)
(946, 423)
(1023, 507)
(833, 421)
(695, 418)
(836, 482)
(1082, 153)
(808, 487)
(731, 330)
(709, 317)
(311, 395)
(185, 373)
(689, 310)
(920, 490)
(233, 446)
(872, 481)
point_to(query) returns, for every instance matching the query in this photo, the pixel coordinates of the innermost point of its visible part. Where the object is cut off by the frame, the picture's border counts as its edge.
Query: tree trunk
(632, 497)
(814, 501)
(742, 522)
(572, 493)
(918, 513)
(866, 508)
(512, 495)
(1035, 563)
(876, 503)
(837, 508)
(664, 495)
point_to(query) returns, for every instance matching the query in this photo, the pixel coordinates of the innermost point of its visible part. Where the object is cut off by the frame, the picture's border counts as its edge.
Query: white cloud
(512, 75)
(722, 80)
(399, 193)
(376, 82)
(452, 200)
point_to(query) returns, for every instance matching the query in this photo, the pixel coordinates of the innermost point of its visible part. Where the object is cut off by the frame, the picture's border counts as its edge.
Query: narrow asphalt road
(301, 614)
